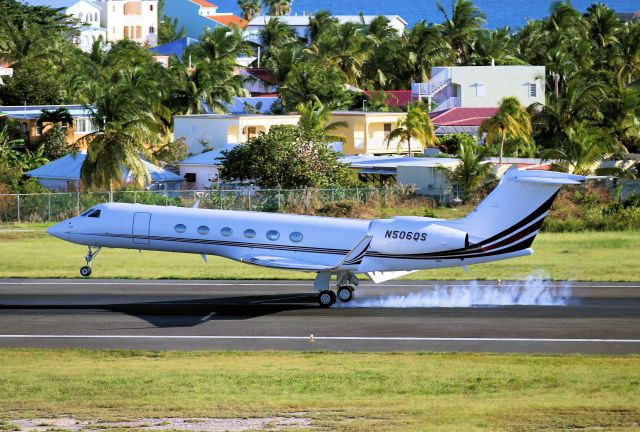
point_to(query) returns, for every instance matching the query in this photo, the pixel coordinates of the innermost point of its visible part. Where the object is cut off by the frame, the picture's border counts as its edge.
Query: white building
(131, 19)
(201, 170)
(88, 12)
(6, 71)
(300, 23)
(215, 130)
(481, 86)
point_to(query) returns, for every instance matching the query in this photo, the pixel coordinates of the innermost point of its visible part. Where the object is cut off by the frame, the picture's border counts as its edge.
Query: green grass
(587, 256)
(340, 391)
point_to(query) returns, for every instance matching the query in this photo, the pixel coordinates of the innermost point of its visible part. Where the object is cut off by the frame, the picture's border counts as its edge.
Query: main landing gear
(91, 254)
(346, 282)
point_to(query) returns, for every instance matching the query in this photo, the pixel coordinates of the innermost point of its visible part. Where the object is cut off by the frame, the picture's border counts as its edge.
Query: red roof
(461, 116)
(204, 3)
(228, 20)
(263, 74)
(396, 98)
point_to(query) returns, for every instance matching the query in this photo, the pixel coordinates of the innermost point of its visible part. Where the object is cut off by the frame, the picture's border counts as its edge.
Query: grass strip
(339, 391)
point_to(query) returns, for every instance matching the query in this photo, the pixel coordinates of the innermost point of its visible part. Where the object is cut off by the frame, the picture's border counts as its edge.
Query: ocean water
(500, 13)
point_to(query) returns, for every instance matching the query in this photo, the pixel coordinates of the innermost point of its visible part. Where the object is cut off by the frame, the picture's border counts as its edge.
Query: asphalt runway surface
(598, 318)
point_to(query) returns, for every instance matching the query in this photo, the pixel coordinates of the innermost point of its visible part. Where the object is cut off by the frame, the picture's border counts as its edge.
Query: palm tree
(511, 120)
(426, 49)
(416, 125)
(220, 45)
(320, 23)
(346, 47)
(274, 36)
(472, 172)
(461, 27)
(314, 117)
(249, 8)
(126, 127)
(278, 7)
(57, 116)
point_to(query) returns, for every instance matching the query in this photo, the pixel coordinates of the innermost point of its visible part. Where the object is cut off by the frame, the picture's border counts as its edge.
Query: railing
(431, 87)
(55, 207)
(452, 102)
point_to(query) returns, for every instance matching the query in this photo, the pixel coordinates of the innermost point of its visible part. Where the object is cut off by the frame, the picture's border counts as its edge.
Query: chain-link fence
(54, 207)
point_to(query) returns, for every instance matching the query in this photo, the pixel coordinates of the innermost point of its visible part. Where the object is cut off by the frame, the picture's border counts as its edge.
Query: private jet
(502, 226)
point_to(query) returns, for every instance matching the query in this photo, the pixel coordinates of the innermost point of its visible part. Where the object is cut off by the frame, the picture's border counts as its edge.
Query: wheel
(346, 294)
(326, 298)
(85, 271)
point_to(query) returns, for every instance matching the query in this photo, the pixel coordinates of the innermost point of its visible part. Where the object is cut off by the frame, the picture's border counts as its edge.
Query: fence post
(249, 193)
(135, 197)
(357, 195)
(18, 207)
(279, 199)
(49, 208)
(220, 199)
(78, 203)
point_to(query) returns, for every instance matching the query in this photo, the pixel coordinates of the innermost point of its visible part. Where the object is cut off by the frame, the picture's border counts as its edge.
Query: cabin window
(533, 90)
(86, 212)
(203, 230)
(273, 235)
(95, 214)
(249, 233)
(226, 231)
(180, 228)
(295, 237)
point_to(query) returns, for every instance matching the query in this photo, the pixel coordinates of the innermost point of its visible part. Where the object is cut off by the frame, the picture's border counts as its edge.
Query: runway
(598, 318)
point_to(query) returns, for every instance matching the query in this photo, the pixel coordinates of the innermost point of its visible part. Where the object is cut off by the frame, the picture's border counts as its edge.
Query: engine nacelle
(398, 236)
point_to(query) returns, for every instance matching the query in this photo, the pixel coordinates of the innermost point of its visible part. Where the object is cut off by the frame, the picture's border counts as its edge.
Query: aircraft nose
(58, 230)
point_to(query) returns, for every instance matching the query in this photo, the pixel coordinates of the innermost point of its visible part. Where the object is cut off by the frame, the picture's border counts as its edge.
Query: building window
(273, 235)
(82, 125)
(39, 127)
(114, 8)
(251, 132)
(533, 90)
(203, 230)
(151, 8)
(249, 233)
(295, 237)
(226, 231)
(180, 228)
(152, 30)
(138, 32)
(481, 90)
(190, 177)
(387, 130)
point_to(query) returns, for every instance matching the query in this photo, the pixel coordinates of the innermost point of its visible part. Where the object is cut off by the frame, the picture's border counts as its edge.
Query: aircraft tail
(511, 215)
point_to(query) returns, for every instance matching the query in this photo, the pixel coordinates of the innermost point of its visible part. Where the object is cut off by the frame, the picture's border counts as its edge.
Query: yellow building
(366, 132)
(215, 130)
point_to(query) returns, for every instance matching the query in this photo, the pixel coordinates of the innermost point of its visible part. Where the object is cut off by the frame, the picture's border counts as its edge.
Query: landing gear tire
(326, 298)
(346, 294)
(85, 271)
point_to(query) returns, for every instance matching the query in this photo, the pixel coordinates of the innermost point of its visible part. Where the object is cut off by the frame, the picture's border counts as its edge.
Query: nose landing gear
(85, 271)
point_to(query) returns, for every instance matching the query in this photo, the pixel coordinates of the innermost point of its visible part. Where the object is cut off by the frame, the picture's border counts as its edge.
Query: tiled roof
(56, 4)
(262, 74)
(228, 20)
(461, 116)
(203, 3)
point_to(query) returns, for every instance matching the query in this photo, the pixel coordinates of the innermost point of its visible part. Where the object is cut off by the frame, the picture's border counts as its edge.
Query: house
(199, 15)
(88, 12)
(366, 132)
(202, 130)
(252, 105)
(201, 170)
(425, 174)
(300, 24)
(32, 129)
(64, 175)
(136, 20)
(176, 47)
(460, 120)
(393, 98)
(481, 86)
(259, 81)
(629, 17)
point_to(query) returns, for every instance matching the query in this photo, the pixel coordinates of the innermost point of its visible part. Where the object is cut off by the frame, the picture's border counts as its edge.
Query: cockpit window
(95, 214)
(87, 212)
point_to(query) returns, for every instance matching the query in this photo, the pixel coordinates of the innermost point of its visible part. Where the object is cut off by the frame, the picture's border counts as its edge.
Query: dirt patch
(156, 424)
(572, 420)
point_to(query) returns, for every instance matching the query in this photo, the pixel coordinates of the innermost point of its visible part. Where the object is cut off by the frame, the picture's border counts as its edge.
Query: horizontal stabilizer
(284, 263)
(549, 181)
(381, 276)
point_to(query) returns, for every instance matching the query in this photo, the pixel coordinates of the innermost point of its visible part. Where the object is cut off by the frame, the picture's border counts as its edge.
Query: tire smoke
(535, 290)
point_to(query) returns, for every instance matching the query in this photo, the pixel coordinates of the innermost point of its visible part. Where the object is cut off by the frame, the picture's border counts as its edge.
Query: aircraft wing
(354, 256)
(284, 263)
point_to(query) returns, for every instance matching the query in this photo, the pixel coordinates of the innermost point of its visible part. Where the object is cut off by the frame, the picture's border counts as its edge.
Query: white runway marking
(328, 338)
(290, 284)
